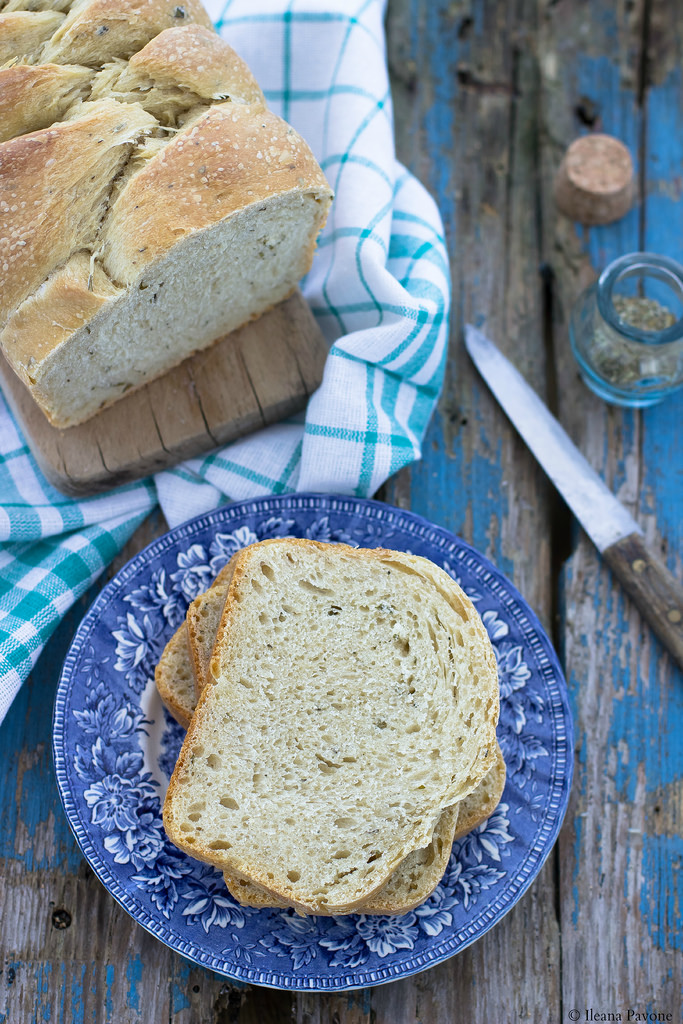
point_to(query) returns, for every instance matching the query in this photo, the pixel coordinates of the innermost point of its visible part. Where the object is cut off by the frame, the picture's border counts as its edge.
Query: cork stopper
(594, 183)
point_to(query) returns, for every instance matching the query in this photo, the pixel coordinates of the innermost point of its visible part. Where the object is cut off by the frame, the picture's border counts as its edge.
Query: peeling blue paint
(77, 997)
(599, 78)
(43, 1009)
(663, 473)
(440, 43)
(180, 984)
(37, 801)
(655, 749)
(109, 975)
(134, 977)
(62, 990)
(179, 999)
(32, 799)
(664, 166)
(660, 902)
(442, 490)
(663, 232)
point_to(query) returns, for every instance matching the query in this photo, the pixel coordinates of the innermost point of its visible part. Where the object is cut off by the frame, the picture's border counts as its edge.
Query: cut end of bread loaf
(241, 267)
(355, 698)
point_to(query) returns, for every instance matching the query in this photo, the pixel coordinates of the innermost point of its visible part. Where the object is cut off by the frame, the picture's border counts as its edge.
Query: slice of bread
(355, 698)
(481, 804)
(416, 878)
(174, 677)
(412, 881)
(203, 620)
(409, 885)
(226, 573)
(175, 673)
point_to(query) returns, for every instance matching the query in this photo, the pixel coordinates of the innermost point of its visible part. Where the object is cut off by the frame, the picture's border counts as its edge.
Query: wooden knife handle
(652, 588)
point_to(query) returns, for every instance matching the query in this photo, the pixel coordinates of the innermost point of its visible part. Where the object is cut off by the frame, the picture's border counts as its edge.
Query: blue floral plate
(115, 747)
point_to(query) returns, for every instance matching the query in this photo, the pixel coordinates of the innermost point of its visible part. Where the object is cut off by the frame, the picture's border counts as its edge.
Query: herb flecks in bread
(137, 140)
(355, 698)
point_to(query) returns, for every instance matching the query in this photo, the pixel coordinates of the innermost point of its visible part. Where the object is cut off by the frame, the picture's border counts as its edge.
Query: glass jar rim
(665, 268)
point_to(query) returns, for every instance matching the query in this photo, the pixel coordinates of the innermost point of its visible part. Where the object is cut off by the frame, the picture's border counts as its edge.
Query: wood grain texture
(619, 888)
(488, 94)
(476, 148)
(255, 376)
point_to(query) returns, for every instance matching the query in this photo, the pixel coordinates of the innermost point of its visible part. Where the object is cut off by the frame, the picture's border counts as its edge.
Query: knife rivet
(674, 615)
(639, 565)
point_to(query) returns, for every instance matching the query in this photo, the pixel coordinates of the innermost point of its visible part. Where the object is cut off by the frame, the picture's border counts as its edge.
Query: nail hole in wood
(61, 919)
(587, 111)
(465, 27)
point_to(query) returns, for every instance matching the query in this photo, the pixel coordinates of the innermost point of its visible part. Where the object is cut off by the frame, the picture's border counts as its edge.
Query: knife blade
(613, 530)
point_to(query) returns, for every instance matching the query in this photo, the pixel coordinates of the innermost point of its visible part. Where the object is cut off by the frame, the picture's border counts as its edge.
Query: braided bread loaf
(149, 202)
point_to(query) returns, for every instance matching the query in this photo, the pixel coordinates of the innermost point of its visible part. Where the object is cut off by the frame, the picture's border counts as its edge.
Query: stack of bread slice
(341, 707)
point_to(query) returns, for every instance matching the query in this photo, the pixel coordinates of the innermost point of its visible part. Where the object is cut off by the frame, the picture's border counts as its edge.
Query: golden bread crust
(232, 158)
(197, 59)
(46, 217)
(22, 31)
(102, 30)
(35, 96)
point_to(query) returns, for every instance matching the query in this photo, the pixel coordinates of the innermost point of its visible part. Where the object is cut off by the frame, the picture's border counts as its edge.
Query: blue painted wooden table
(487, 95)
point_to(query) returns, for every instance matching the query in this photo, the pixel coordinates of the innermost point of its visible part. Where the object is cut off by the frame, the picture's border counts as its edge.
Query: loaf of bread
(354, 700)
(149, 201)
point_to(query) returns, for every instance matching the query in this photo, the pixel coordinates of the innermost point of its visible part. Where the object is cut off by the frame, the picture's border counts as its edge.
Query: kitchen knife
(613, 530)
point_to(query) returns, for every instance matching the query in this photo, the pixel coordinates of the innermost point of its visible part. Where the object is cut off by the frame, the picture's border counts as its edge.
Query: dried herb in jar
(643, 314)
(623, 362)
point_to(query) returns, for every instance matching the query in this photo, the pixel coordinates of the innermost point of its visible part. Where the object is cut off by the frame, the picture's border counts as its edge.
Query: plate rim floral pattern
(382, 519)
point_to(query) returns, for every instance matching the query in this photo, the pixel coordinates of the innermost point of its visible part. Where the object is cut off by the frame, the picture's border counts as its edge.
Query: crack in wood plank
(200, 406)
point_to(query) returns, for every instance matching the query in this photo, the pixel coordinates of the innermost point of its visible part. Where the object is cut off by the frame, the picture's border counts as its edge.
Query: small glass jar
(626, 330)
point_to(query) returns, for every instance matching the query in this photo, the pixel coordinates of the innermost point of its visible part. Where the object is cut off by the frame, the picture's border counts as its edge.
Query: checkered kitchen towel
(379, 288)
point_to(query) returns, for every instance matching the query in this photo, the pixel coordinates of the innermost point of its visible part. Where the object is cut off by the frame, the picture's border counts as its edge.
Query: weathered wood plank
(466, 123)
(619, 898)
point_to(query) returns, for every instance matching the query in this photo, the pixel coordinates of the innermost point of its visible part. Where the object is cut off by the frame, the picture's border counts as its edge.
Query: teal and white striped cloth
(379, 288)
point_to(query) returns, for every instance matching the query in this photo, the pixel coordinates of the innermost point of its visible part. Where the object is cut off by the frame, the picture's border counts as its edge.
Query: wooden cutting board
(255, 376)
